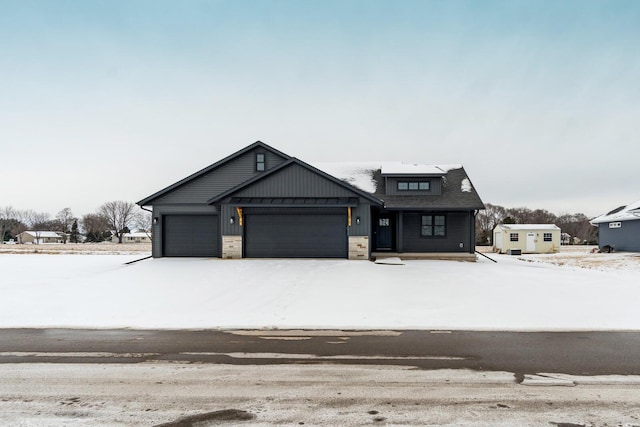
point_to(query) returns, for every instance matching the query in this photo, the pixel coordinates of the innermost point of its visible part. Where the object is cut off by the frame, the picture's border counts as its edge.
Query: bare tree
(37, 222)
(8, 220)
(145, 223)
(486, 221)
(95, 227)
(120, 216)
(65, 219)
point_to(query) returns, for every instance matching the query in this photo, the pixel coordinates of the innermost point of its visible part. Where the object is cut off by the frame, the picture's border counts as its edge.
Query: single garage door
(296, 235)
(191, 235)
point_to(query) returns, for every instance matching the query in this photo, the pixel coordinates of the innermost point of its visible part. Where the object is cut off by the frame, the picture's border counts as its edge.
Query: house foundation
(359, 247)
(231, 247)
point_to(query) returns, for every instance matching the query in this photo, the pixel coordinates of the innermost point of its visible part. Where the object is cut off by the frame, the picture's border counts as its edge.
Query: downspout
(153, 222)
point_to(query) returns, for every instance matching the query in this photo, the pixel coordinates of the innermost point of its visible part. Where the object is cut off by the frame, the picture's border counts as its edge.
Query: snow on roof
(399, 168)
(465, 186)
(41, 234)
(625, 213)
(529, 226)
(359, 175)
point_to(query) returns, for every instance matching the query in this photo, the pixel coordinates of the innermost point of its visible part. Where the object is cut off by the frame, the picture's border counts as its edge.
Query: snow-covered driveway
(100, 291)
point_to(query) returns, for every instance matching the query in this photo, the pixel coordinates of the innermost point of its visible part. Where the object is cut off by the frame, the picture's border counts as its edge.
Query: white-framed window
(615, 225)
(548, 237)
(513, 237)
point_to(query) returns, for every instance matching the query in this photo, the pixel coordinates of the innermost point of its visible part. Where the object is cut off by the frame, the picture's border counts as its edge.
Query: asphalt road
(575, 353)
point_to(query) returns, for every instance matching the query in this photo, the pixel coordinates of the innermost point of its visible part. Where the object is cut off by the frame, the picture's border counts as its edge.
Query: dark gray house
(262, 203)
(620, 228)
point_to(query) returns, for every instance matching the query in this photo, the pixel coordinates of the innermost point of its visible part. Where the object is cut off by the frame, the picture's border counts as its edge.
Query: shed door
(191, 236)
(531, 242)
(305, 235)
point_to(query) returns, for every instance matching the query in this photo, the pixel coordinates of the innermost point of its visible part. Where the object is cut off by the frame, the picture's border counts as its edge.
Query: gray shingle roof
(453, 196)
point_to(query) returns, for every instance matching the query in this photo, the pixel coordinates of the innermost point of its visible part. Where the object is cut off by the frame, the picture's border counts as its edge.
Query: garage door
(191, 235)
(295, 236)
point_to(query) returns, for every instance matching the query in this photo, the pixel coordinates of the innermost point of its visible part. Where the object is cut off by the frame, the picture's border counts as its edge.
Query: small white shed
(526, 238)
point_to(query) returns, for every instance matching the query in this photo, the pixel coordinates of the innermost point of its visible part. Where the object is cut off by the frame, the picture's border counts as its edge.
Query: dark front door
(384, 233)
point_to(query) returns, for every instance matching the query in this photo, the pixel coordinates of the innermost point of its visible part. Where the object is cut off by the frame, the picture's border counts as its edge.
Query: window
(413, 185)
(383, 222)
(260, 162)
(433, 226)
(513, 237)
(548, 237)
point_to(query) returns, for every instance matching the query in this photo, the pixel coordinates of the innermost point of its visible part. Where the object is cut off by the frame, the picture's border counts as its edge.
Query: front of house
(262, 203)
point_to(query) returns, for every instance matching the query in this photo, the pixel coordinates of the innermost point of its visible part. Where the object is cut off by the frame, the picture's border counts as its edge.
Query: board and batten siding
(220, 179)
(295, 181)
(457, 229)
(435, 186)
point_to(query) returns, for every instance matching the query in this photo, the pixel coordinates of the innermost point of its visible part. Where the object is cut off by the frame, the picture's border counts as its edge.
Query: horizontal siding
(625, 238)
(220, 179)
(457, 232)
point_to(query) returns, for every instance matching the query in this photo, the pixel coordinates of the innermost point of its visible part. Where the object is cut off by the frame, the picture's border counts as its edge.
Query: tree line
(110, 219)
(576, 225)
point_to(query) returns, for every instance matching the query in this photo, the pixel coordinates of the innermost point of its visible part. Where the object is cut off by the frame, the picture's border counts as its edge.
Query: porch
(448, 256)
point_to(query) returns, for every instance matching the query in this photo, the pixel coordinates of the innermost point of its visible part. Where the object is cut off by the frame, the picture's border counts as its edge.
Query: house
(620, 228)
(262, 203)
(135, 237)
(38, 237)
(527, 238)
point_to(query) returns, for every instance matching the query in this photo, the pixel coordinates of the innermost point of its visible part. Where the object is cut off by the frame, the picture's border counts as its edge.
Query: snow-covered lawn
(100, 291)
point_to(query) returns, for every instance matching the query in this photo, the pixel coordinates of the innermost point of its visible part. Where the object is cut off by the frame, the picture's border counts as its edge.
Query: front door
(531, 242)
(384, 235)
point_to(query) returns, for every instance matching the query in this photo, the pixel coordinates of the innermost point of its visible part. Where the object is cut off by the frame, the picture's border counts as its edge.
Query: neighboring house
(38, 237)
(136, 237)
(620, 228)
(262, 203)
(527, 238)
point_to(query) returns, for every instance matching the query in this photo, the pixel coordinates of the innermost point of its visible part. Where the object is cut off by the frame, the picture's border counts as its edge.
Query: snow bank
(102, 292)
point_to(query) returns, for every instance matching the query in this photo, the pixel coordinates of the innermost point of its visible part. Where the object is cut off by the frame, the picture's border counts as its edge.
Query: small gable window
(260, 162)
(433, 226)
(413, 185)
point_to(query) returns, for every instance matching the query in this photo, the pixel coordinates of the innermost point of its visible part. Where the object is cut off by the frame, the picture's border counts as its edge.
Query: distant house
(527, 238)
(38, 237)
(262, 203)
(136, 237)
(620, 228)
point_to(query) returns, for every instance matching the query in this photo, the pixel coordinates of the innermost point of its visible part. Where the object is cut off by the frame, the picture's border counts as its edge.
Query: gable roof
(528, 226)
(304, 165)
(623, 213)
(41, 234)
(209, 168)
(457, 193)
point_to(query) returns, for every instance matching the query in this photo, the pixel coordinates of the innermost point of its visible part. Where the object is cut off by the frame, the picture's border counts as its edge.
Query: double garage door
(299, 235)
(302, 234)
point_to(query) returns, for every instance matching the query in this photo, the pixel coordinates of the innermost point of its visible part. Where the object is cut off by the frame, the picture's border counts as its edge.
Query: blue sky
(109, 100)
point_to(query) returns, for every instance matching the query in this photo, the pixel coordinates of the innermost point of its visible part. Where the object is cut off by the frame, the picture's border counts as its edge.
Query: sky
(115, 100)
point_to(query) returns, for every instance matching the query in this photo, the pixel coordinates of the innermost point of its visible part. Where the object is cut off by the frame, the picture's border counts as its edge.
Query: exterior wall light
(155, 220)
(357, 220)
(232, 220)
